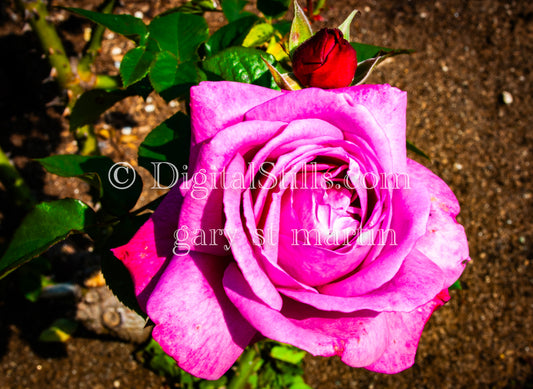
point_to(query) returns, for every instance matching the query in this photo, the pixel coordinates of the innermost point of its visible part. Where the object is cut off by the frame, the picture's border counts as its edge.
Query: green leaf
(142, 88)
(300, 29)
(456, 286)
(31, 278)
(232, 34)
(172, 79)
(180, 34)
(273, 8)
(345, 26)
(197, 7)
(93, 103)
(60, 331)
(287, 354)
(365, 51)
(365, 67)
(136, 63)
(233, 9)
(160, 362)
(300, 385)
(127, 25)
(168, 143)
(416, 150)
(241, 64)
(259, 34)
(47, 224)
(283, 27)
(118, 186)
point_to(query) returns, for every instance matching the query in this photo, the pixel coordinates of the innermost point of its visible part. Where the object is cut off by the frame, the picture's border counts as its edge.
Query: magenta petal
(196, 324)
(405, 329)
(417, 281)
(241, 245)
(388, 106)
(360, 338)
(356, 121)
(445, 240)
(217, 105)
(410, 210)
(147, 251)
(202, 212)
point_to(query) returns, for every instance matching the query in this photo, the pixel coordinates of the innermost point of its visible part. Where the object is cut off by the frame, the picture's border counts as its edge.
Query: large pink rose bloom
(302, 221)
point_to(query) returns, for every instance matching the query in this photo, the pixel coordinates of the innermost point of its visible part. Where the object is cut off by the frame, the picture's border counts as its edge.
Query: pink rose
(302, 221)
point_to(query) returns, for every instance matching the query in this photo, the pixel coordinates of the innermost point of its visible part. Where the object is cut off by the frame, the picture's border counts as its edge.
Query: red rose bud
(326, 60)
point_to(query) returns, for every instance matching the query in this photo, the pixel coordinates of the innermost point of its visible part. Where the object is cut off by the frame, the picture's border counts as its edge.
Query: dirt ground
(471, 57)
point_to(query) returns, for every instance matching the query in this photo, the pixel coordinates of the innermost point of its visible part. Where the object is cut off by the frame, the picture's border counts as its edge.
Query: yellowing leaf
(259, 34)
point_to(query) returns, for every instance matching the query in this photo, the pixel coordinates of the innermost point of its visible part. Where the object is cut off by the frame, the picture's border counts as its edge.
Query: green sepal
(300, 29)
(345, 26)
(286, 81)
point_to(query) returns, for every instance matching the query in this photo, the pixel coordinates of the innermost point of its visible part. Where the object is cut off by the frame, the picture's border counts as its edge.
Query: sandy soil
(468, 54)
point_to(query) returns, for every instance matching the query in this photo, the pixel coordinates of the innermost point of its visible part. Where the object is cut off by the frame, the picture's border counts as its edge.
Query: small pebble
(149, 99)
(149, 108)
(458, 166)
(117, 64)
(87, 32)
(126, 130)
(110, 35)
(138, 14)
(116, 51)
(507, 97)
(173, 104)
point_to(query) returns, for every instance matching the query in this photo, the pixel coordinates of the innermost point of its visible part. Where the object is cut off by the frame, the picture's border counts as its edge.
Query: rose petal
(217, 105)
(359, 338)
(388, 105)
(241, 245)
(417, 282)
(410, 212)
(196, 324)
(146, 253)
(445, 240)
(265, 243)
(357, 121)
(202, 212)
(405, 329)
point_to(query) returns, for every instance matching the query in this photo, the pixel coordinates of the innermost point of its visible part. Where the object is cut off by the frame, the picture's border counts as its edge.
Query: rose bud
(326, 60)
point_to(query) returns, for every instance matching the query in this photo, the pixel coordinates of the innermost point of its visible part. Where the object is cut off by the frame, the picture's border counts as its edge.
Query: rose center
(325, 210)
